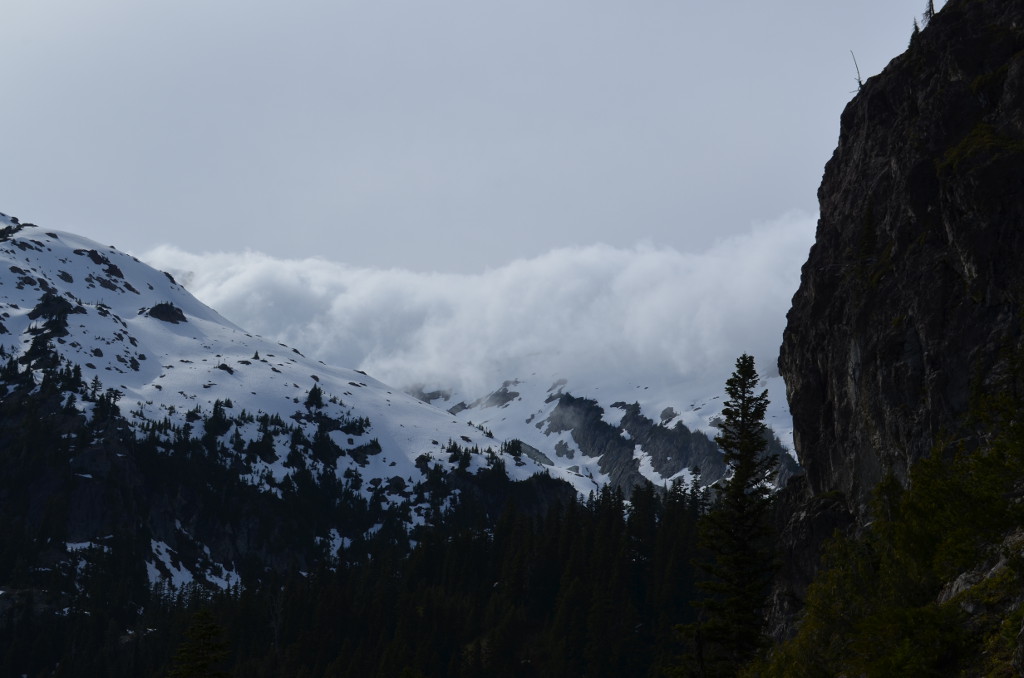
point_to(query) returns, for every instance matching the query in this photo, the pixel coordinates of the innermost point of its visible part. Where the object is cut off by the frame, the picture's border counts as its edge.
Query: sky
(449, 135)
(453, 189)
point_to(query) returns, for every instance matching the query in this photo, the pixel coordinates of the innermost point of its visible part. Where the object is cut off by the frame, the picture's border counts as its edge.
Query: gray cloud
(589, 313)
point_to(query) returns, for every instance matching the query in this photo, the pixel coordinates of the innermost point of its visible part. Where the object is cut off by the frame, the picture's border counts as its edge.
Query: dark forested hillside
(934, 586)
(493, 577)
(589, 588)
(179, 496)
(296, 535)
(97, 525)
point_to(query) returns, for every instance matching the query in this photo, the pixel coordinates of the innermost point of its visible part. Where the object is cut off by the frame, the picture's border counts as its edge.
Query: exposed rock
(596, 438)
(673, 449)
(909, 303)
(458, 407)
(167, 312)
(420, 392)
(503, 396)
(535, 454)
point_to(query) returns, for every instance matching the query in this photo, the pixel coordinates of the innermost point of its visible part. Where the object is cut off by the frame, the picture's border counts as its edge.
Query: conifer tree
(736, 533)
(315, 397)
(203, 651)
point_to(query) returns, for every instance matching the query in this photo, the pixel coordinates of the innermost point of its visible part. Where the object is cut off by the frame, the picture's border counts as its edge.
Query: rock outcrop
(910, 303)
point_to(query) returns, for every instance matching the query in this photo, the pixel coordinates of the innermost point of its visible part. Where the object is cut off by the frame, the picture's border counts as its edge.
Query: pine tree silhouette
(203, 651)
(737, 533)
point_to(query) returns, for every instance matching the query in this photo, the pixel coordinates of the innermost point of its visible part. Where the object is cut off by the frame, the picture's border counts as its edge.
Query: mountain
(909, 303)
(138, 422)
(617, 433)
(137, 331)
(142, 427)
(906, 327)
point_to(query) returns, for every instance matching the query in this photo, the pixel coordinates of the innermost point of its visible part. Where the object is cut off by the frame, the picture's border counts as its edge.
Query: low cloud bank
(591, 314)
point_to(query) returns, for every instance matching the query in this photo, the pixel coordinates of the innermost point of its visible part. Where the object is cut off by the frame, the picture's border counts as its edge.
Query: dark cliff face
(911, 299)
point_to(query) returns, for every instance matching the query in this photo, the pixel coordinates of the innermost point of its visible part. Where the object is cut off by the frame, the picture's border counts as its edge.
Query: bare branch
(860, 83)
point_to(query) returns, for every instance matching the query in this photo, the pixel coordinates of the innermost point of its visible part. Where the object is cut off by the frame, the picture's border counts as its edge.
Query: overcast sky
(427, 135)
(451, 192)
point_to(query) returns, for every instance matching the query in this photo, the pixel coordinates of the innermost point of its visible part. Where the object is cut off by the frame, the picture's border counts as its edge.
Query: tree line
(671, 582)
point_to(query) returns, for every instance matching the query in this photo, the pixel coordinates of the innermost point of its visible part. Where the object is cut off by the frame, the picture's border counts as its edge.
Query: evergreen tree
(203, 651)
(315, 398)
(736, 533)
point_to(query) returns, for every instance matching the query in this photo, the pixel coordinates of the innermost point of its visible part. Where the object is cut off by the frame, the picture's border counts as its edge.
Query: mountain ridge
(138, 382)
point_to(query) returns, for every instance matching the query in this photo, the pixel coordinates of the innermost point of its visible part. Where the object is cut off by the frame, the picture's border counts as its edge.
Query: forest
(513, 579)
(592, 588)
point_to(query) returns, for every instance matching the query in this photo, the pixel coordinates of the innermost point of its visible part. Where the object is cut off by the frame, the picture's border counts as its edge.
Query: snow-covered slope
(342, 454)
(667, 433)
(137, 331)
(186, 381)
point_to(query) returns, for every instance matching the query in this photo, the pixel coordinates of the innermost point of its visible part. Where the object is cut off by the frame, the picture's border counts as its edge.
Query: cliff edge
(910, 302)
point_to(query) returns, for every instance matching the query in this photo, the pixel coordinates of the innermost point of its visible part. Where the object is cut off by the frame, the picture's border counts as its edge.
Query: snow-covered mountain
(134, 329)
(135, 376)
(614, 432)
(118, 340)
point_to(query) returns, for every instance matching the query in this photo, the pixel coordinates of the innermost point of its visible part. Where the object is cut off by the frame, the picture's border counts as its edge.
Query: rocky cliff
(910, 303)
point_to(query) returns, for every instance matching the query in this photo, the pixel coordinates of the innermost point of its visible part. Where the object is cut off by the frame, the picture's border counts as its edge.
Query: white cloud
(589, 313)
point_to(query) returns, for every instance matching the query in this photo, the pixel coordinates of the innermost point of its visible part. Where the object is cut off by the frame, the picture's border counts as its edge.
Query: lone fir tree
(737, 534)
(203, 651)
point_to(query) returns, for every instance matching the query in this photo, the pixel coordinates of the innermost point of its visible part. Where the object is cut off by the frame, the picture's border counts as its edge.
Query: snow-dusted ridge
(173, 362)
(174, 366)
(667, 402)
(614, 432)
(164, 367)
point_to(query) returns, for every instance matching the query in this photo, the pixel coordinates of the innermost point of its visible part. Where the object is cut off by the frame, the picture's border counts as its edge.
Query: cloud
(591, 314)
